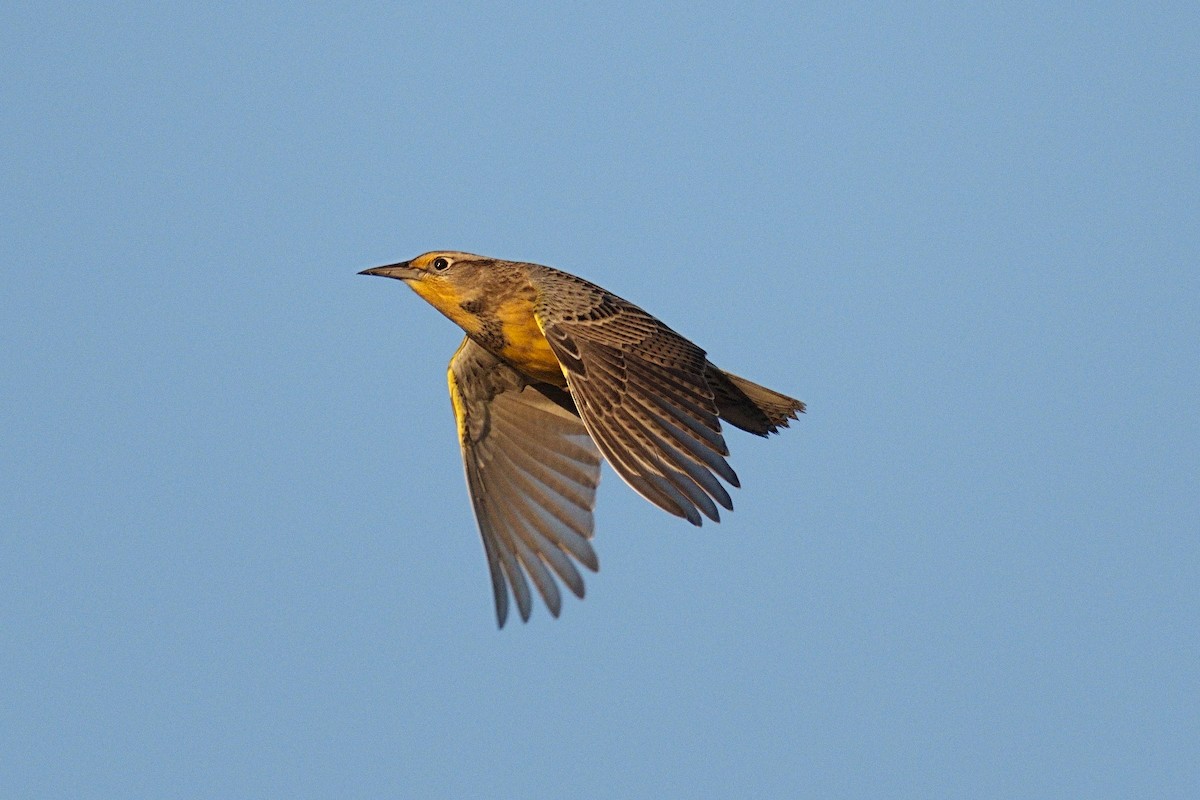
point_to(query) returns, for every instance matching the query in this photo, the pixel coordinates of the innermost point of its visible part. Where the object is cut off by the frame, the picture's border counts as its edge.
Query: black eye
(440, 264)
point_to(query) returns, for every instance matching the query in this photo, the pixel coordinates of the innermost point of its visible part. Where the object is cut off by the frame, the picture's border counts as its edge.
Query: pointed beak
(401, 271)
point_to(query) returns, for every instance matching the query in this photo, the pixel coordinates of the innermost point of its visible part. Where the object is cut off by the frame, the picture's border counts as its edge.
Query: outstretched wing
(532, 472)
(640, 389)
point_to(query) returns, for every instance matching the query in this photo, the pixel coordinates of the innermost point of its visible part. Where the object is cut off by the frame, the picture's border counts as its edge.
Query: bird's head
(443, 278)
(446, 267)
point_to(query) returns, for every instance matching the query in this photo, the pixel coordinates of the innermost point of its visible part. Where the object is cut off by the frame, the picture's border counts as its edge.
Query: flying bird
(554, 373)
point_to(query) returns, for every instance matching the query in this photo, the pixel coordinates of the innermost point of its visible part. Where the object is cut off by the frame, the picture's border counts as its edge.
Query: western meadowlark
(555, 372)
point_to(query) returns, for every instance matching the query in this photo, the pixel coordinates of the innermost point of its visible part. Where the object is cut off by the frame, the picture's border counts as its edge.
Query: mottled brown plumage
(555, 371)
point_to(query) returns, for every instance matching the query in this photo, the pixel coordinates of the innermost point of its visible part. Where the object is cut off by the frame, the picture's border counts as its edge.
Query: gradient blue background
(238, 559)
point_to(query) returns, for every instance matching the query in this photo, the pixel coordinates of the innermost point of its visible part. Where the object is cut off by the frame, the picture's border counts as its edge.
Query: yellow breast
(525, 345)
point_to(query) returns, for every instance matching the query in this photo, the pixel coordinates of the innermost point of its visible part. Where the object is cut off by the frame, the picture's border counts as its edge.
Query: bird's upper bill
(400, 271)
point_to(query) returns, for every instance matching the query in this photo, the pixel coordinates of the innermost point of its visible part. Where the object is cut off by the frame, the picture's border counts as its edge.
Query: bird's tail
(747, 405)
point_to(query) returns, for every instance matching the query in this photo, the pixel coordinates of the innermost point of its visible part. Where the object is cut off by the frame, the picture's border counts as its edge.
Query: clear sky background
(237, 555)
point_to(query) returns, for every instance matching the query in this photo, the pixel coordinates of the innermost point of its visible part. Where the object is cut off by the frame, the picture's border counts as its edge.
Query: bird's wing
(640, 389)
(532, 472)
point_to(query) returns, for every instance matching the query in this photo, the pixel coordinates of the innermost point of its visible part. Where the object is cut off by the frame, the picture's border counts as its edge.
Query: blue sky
(238, 558)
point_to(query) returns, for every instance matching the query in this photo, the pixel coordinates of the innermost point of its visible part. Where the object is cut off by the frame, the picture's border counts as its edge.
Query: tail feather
(746, 405)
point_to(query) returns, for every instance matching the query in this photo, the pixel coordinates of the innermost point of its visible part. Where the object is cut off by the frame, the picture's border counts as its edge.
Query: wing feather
(531, 524)
(626, 460)
(532, 471)
(641, 390)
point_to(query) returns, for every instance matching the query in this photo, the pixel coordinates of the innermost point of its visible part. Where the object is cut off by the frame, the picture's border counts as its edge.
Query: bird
(555, 373)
